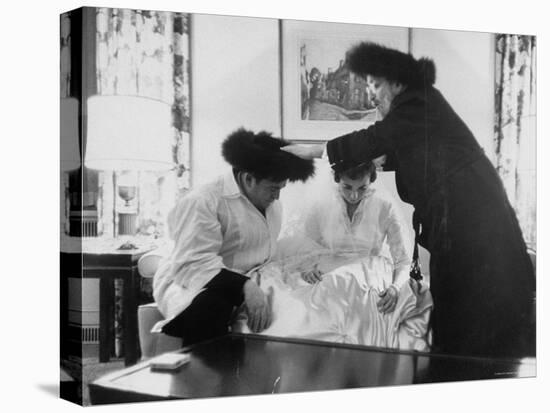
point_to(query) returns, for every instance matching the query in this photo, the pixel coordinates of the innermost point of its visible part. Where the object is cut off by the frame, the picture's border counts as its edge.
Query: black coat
(482, 280)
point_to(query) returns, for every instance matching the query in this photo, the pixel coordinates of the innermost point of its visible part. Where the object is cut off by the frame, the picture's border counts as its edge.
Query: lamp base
(127, 223)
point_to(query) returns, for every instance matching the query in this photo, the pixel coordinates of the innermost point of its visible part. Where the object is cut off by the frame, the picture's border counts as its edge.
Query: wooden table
(240, 364)
(107, 266)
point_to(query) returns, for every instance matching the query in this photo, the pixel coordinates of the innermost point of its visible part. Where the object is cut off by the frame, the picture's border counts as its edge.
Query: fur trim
(427, 69)
(260, 155)
(394, 65)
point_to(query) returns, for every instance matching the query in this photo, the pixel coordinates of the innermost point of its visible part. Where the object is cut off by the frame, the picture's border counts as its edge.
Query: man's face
(382, 92)
(262, 192)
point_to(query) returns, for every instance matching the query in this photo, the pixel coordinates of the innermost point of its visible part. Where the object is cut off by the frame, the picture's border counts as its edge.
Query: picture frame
(321, 99)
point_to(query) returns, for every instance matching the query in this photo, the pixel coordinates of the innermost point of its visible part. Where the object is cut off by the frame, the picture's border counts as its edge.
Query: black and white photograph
(291, 266)
(262, 209)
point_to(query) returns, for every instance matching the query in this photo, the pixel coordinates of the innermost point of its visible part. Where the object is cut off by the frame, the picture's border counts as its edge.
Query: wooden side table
(108, 266)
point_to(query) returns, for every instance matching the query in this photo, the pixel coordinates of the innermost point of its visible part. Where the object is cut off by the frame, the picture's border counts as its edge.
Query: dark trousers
(209, 314)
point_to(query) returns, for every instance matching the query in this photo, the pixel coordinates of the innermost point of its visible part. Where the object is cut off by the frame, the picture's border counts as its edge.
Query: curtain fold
(515, 126)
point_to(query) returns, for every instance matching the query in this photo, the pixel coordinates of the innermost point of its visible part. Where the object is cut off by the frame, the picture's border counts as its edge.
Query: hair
(369, 58)
(357, 172)
(260, 155)
(260, 176)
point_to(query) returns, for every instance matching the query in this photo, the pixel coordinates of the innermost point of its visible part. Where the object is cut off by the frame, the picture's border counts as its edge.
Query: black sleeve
(230, 284)
(391, 162)
(355, 147)
(401, 127)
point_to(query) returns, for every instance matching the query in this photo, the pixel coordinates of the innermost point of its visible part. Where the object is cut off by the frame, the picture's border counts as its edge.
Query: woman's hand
(305, 151)
(313, 276)
(257, 307)
(388, 299)
(379, 162)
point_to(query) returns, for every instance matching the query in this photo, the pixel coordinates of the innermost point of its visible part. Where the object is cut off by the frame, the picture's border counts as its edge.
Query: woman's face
(353, 190)
(382, 92)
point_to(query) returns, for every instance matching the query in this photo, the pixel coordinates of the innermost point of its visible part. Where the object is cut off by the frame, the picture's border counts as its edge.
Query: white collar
(231, 188)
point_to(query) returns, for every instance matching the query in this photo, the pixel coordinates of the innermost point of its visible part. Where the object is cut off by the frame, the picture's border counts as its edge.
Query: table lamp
(128, 134)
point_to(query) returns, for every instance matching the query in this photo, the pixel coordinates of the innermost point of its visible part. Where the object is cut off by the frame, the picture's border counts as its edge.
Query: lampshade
(69, 135)
(128, 133)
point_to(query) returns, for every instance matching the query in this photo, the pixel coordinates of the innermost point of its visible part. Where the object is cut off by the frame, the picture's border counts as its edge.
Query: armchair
(152, 343)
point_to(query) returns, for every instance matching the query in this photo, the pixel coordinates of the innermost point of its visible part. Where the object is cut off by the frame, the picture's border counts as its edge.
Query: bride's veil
(298, 198)
(318, 201)
(303, 203)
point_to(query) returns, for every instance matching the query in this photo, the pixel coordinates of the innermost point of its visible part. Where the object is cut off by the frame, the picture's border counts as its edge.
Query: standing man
(222, 232)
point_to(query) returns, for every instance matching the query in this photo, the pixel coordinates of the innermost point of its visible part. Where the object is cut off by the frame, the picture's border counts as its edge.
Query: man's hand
(388, 299)
(305, 151)
(313, 276)
(257, 307)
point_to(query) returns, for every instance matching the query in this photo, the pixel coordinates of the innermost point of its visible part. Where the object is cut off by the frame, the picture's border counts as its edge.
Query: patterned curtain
(64, 92)
(515, 126)
(146, 53)
(65, 56)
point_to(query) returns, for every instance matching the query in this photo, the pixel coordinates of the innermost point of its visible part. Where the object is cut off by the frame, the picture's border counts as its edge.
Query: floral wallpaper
(515, 126)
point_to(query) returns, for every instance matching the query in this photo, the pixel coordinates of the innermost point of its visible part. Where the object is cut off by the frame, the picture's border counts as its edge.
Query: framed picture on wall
(321, 98)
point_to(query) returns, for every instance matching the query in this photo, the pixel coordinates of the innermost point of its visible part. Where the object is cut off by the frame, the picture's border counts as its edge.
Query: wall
(235, 82)
(465, 74)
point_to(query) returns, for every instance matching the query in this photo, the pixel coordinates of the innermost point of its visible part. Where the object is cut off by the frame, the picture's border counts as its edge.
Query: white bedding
(342, 307)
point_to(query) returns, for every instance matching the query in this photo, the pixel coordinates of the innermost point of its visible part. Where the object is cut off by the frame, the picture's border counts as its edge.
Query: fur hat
(342, 156)
(260, 154)
(376, 60)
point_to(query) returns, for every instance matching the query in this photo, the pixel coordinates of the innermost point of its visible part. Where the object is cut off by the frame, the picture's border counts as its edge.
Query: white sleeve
(400, 245)
(198, 240)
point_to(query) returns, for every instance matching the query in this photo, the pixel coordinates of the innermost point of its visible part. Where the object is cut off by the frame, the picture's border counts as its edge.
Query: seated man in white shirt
(223, 231)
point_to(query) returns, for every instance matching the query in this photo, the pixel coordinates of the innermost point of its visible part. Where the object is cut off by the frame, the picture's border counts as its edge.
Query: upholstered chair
(152, 342)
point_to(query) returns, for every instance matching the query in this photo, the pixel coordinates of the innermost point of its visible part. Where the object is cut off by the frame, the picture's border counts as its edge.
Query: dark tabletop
(248, 364)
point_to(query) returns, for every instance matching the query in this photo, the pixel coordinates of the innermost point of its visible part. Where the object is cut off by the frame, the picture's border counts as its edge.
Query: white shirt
(374, 224)
(215, 227)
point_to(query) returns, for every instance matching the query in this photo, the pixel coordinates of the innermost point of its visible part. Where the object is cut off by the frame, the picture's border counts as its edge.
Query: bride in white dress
(342, 273)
